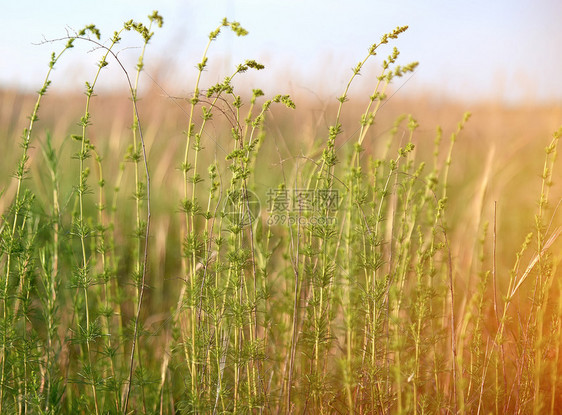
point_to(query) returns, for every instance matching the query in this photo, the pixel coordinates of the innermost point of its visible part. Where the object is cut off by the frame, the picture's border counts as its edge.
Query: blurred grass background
(500, 155)
(498, 158)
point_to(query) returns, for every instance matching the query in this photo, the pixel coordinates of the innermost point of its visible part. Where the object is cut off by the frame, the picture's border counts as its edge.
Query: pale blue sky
(508, 49)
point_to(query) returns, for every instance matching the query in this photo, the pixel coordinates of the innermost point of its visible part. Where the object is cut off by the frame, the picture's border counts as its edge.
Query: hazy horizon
(505, 51)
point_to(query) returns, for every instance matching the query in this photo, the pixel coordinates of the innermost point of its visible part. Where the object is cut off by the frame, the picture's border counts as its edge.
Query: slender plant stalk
(20, 176)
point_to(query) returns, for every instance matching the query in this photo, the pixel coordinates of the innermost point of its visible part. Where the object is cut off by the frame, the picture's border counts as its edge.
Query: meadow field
(238, 251)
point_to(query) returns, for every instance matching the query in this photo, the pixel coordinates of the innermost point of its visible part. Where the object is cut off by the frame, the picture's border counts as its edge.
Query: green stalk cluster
(329, 282)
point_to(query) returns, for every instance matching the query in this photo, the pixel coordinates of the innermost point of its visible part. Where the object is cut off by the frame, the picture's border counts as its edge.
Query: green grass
(237, 268)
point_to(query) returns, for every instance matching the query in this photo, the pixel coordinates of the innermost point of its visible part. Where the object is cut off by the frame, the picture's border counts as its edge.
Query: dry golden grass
(498, 159)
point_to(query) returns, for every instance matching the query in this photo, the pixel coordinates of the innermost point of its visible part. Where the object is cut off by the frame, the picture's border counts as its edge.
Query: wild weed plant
(333, 291)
